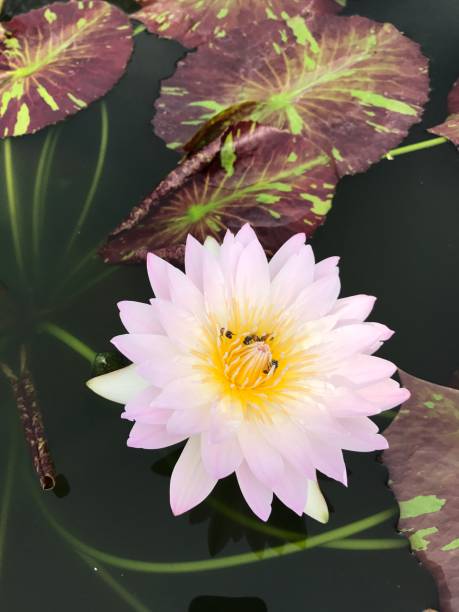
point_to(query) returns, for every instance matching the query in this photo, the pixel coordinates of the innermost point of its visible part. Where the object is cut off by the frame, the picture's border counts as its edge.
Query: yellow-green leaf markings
(450, 128)
(350, 85)
(279, 183)
(193, 22)
(56, 60)
(423, 462)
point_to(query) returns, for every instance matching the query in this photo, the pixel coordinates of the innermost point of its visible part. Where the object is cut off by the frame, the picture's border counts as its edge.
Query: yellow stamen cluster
(247, 358)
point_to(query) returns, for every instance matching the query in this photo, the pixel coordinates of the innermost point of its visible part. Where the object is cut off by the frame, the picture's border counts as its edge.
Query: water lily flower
(259, 366)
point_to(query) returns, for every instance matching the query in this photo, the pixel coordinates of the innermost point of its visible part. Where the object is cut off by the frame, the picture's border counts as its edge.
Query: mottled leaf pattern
(193, 22)
(57, 59)
(350, 85)
(279, 183)
(423, 462)
(450, 128)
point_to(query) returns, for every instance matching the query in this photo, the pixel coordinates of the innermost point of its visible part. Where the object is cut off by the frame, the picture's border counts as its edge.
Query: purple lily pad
(350, 85)
(450, 128)
(192, 22)
(279, 183)
(423, 462)
(56, 60)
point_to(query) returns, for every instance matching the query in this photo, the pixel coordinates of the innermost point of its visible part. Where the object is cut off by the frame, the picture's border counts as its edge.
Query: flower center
(247, 359)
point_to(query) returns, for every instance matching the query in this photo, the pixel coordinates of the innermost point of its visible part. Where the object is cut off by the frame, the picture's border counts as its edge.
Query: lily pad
(279, 183)
(423, 462)
(56, 60)
(450, 128)
(193, 22)
(350, 85)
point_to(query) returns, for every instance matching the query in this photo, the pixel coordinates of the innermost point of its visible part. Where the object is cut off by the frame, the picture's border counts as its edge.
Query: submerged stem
(417, 146)
(298, 537)
(69, 340)
(225, 562)
(13, 205)
(368, 543)
(96, 177)
(41, 186)
(119, 589)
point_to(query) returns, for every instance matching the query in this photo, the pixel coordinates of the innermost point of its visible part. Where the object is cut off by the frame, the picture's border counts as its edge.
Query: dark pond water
(396, 230)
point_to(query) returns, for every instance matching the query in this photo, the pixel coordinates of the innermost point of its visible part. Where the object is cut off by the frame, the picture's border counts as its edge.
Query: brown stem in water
(32, 422)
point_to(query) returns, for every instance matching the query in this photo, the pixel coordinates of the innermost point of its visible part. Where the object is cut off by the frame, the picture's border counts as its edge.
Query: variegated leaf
(57, 59)
(423, 462)
(279, 183)
(450, 128)
(350, 85)
(193, 22)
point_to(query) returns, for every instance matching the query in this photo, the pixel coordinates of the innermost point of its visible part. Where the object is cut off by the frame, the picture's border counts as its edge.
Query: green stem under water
(118, 588)
(298, 537)
(69, 340)
(153, 567)
(13, 207)
(368, 543)
(95, 179)
(417, 146)
(41, 187)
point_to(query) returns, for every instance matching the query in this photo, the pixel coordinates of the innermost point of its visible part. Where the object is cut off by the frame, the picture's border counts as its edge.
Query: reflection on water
(228, 518)
(106, 540)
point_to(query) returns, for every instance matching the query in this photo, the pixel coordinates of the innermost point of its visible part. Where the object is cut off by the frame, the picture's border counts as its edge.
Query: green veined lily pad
(193, 22)
(350, 85)
(423, 462)
(57, 59)
(279, 183)
(450, 128)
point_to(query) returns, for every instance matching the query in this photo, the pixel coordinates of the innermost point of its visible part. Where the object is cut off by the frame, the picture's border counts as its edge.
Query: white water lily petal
(246, 235)
(215, 290)
(222, 458)
(183, 393)
(143, 347)
(157, 274)
(361, 370)
(293, 278)
(258, 496)
(354, 309)
(252, 282)
(193, 261)
(140, 318)
(326, 267)
(287, 250)
(263, 460)
(226, 417)
(189, 421)
(292, 490)
(152, 436)
(212, 245)
(190, 482)
(316, 506)
(119, 386)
